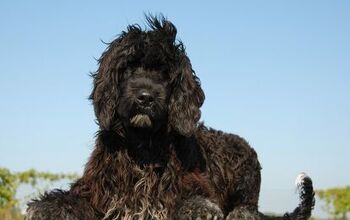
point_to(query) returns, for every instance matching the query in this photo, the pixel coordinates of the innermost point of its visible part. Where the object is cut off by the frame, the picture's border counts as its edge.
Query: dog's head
(145, 80)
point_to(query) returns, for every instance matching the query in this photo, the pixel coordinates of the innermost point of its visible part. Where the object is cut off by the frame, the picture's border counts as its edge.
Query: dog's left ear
(186, 99)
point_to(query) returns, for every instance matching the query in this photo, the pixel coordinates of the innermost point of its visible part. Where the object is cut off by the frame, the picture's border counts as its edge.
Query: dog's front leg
(198, 208)
(60, 205)
(243, 213)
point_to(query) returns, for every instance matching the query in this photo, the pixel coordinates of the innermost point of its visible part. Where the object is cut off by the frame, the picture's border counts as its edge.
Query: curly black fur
(153, 159)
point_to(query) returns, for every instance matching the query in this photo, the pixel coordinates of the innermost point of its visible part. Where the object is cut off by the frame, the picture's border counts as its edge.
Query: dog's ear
(103, 99)
(186, 99)
(106, 81)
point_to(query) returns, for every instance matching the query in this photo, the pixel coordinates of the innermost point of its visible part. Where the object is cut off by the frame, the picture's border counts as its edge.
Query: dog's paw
(241, 213)
(199, 208)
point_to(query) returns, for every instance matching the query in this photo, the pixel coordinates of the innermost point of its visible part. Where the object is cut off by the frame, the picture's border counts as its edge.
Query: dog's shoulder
(222, 143)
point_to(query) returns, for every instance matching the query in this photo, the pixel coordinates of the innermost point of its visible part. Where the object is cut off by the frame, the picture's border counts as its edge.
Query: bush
(337, 201)
(9, 183)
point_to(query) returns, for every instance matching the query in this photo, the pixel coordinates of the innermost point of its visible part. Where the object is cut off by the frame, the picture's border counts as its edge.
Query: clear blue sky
(274, 72)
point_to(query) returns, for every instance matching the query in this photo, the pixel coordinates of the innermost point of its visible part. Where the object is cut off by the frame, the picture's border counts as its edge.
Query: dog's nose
(145, 98)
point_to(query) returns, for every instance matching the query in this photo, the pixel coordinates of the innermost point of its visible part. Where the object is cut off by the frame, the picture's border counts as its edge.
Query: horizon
(277, 74)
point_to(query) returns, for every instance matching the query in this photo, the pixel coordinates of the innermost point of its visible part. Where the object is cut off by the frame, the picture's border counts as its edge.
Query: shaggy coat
(152, 158)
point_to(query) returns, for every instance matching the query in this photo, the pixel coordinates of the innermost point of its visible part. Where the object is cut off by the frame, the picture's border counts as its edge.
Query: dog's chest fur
(153, 190)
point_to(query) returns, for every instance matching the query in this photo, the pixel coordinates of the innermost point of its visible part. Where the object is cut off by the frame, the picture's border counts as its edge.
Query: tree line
(10, 205)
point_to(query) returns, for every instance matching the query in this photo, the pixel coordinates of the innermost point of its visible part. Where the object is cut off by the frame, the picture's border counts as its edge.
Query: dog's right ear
(103, 99)
(106, 81)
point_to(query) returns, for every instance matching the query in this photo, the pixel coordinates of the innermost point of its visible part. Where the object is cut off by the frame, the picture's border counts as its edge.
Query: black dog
(152, 159)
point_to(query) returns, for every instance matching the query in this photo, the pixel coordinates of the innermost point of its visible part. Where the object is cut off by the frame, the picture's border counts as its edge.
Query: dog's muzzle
(141, 121)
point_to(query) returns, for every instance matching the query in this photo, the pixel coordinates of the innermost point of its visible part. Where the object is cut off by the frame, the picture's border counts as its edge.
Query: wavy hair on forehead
(153, 48)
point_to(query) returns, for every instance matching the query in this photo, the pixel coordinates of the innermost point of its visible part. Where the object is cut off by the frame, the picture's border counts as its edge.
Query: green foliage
(32, 176)
(8, 186)
(11, 213)
(337, 201)
(9, 183)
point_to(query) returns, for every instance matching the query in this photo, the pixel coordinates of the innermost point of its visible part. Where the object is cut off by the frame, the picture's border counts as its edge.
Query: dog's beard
(141, 121)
